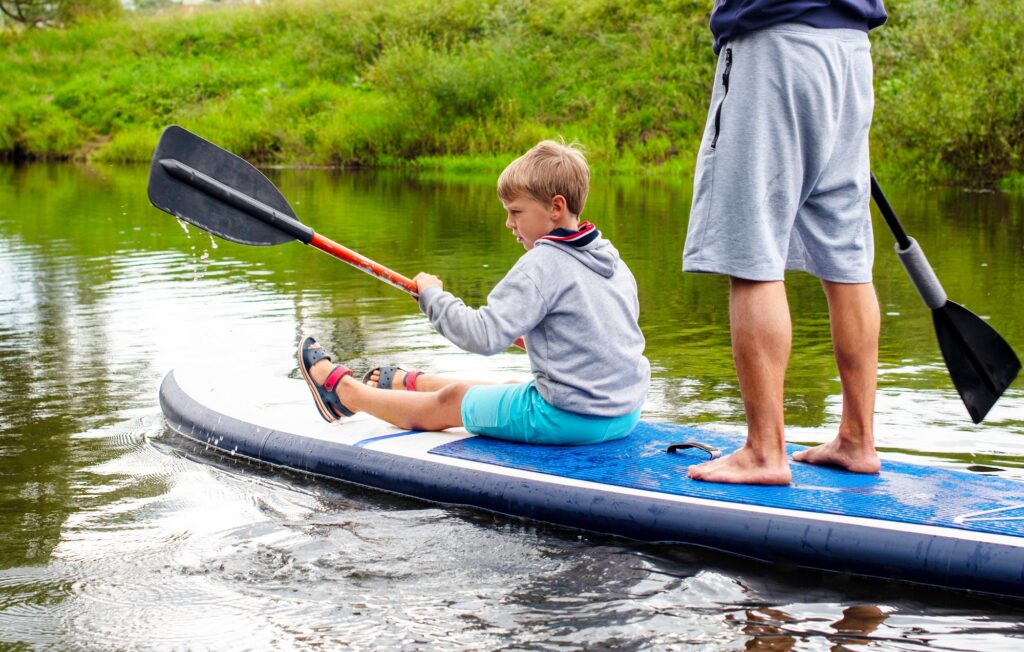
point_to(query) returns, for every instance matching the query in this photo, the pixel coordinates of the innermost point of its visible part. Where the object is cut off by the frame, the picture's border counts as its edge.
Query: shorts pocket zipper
(725, 84)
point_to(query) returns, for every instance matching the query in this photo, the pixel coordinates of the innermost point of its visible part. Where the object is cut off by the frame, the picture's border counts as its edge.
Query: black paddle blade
(208, 210)
(980, 361)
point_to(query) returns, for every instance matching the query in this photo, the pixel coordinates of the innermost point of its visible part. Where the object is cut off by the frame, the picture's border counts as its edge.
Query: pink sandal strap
(410, 379)
(339, 372)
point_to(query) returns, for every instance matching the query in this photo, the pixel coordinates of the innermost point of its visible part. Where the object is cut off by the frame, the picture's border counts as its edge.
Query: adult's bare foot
(742, 467)
(842, 454)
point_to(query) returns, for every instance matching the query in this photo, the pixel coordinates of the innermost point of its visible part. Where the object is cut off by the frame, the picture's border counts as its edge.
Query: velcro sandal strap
(410, 379)
(339, 372)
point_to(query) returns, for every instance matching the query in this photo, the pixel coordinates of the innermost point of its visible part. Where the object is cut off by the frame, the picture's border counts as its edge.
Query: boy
(570, 296)
(782, 182)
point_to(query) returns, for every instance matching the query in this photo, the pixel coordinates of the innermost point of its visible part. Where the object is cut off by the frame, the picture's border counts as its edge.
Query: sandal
(387, 376)
(326, 399)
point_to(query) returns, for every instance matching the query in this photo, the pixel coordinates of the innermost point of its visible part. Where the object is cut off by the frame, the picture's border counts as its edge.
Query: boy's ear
(558, 205)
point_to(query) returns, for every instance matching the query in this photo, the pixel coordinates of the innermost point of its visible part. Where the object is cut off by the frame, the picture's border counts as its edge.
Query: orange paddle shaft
(372, 268)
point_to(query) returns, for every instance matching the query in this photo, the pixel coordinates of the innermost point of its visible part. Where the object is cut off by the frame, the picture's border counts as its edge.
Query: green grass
(950, 99)
(463, 84)
(1013, 183)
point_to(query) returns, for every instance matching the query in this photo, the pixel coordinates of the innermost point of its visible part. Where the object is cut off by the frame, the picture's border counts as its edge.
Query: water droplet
(183, 223)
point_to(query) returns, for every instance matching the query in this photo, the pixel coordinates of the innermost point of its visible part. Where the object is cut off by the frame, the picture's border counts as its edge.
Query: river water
(114, 534)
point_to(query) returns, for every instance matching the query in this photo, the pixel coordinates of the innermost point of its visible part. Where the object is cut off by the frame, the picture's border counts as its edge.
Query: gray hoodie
(577, 309)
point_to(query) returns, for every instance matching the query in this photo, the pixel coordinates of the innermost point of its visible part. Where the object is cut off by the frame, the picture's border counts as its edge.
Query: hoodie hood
(585, 245)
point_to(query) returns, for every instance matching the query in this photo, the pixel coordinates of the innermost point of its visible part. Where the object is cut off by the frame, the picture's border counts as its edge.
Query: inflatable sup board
(912, 522)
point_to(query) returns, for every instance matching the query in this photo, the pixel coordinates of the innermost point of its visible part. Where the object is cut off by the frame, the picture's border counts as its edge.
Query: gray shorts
(783, 175)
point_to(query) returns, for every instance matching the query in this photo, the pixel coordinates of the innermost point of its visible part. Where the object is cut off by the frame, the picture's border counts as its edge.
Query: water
(116, 534)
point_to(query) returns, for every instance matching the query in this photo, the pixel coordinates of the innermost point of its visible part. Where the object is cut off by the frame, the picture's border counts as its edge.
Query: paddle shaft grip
(374, 269)
(231, 197)
(922, 274)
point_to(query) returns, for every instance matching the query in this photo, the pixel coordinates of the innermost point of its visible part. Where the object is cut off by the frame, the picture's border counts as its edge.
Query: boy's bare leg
(424, 382)
(853, 311)
(761, 333)
(411, 410)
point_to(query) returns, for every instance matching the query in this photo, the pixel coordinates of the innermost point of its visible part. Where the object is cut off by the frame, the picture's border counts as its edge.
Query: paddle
(980, 362)
(217, 191)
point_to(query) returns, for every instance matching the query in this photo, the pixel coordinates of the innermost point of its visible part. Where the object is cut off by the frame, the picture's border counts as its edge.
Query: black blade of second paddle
(207, 211)
(980, 362)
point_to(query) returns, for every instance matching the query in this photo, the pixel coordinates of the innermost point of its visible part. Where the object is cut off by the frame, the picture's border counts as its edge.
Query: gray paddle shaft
(922, 274)
(241, 201)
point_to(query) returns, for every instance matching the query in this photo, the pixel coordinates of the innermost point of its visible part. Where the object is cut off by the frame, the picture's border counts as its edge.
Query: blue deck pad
(906, 493)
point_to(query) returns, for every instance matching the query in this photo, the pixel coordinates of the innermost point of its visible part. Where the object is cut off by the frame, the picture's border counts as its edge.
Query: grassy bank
(463, 83)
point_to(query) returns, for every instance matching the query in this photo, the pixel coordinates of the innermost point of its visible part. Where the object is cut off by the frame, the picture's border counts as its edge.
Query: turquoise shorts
(518, 413)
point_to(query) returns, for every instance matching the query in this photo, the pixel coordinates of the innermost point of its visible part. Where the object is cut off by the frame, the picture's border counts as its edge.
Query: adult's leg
(853, 312)
(761, 334)
(412, 410)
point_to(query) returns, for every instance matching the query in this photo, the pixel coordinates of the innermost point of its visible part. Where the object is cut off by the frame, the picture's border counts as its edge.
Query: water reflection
(100, 295)
(860, 621)
(775, 630)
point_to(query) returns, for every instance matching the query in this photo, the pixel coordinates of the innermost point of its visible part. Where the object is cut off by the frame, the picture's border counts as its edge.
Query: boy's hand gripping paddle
(217, 191)
(980, 362)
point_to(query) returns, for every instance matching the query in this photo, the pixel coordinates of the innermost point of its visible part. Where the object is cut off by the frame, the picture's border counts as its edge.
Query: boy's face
(529, 219)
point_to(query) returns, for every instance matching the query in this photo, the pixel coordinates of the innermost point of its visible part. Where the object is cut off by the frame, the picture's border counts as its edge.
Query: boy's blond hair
(550, 168)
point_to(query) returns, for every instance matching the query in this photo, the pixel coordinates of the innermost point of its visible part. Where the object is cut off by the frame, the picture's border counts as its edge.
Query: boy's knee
(452, 395)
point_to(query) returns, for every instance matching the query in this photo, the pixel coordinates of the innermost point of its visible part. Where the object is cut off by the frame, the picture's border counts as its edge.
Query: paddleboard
(913, 522)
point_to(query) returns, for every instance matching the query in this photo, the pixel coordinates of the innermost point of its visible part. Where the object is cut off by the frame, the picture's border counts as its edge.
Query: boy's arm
(513, 308)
